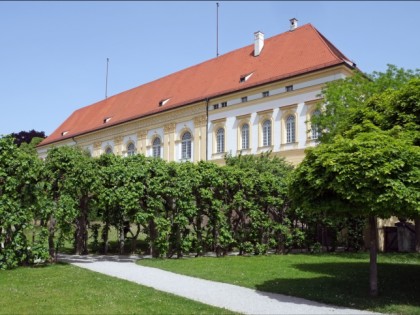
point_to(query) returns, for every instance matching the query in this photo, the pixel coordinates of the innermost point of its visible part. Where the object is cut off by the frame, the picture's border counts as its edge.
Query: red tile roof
(285, 55)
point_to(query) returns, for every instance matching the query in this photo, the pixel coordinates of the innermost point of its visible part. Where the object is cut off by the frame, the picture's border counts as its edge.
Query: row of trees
(181, 207)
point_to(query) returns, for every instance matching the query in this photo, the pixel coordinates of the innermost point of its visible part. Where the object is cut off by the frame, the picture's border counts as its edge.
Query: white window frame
(266, 133)
(220, 140)
(186, 146)
(245, 136)
(291, 129)
(157, 147)
(131, 148)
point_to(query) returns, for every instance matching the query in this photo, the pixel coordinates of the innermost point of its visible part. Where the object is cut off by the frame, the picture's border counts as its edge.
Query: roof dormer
(163, 102)
(245, 77)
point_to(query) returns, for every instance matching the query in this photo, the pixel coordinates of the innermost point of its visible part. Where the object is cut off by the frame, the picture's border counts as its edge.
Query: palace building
(254, 99)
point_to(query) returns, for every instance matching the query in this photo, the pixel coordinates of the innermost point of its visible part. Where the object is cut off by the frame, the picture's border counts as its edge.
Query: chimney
(258, 43)
(293, 24)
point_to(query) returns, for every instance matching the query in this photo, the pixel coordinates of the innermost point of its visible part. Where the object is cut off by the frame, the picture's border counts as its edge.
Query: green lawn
(65, 289)
(339, 279)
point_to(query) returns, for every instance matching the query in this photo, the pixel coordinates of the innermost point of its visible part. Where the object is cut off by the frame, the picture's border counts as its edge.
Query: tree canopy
(27, 136)
(348, 102)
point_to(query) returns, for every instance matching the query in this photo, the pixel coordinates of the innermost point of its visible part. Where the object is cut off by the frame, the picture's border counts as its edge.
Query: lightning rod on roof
(106, 79)
(217, 29)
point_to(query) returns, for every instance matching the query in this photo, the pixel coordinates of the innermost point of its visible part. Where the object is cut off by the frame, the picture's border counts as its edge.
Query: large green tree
(368, 160)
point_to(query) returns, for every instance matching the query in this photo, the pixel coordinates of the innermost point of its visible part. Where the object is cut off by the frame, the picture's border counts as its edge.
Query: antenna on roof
(217, 29)
(106, 79)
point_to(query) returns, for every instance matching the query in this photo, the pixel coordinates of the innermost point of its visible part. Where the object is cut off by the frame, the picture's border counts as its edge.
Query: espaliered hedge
(180, 207)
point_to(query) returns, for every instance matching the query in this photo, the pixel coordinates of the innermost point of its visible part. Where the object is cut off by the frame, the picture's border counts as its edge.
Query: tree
(21, 198)
(211, 224)
(259, 202)
(120, 190)
(180, 205)
(72, 179)
(374, 174)
(368, 159)
(388, 100)
(27, 136)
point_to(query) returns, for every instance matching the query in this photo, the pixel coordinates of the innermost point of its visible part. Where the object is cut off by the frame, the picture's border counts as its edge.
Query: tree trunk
(121, 239)
(81, 228)
(178, 241)
(199, 245)
(417, 229)
(154, 251)
(134, 239)
(51, 231)
(105, 232)
(373, 267)
(216, 244)
(280, 243)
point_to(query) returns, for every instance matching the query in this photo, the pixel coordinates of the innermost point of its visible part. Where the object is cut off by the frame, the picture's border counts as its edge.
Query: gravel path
(234, 298)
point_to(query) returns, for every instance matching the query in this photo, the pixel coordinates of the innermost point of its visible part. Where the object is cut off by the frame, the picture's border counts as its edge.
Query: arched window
(156, 147)
(291, 129)
(245, 136)
(220, 140)
(131, 149)
(314, 127)
(108, 150)
(266, 129)
(186, 146)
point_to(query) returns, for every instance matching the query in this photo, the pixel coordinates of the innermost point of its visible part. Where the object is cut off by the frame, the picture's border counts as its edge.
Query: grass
(65, 289)
(338, 279)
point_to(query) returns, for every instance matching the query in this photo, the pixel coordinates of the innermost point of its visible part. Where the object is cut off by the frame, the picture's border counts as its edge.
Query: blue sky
(53, 54)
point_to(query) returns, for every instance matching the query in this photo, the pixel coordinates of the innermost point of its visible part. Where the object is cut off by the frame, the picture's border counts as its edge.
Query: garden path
(231, 297)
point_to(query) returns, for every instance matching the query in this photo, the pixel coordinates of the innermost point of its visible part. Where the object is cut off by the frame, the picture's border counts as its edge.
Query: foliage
(71, 178)
(375, 173)
(27, 137)
(349, 102)
(261, 202)
(367, 157)
(20, 197)
(121, 186)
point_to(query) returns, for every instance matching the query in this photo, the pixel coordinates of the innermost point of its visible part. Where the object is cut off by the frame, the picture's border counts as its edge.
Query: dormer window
(64, 133)
(106, 119)
(245, 77)
(163, 102)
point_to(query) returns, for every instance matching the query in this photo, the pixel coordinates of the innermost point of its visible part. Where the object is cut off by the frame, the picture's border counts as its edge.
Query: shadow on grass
(347, 284)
